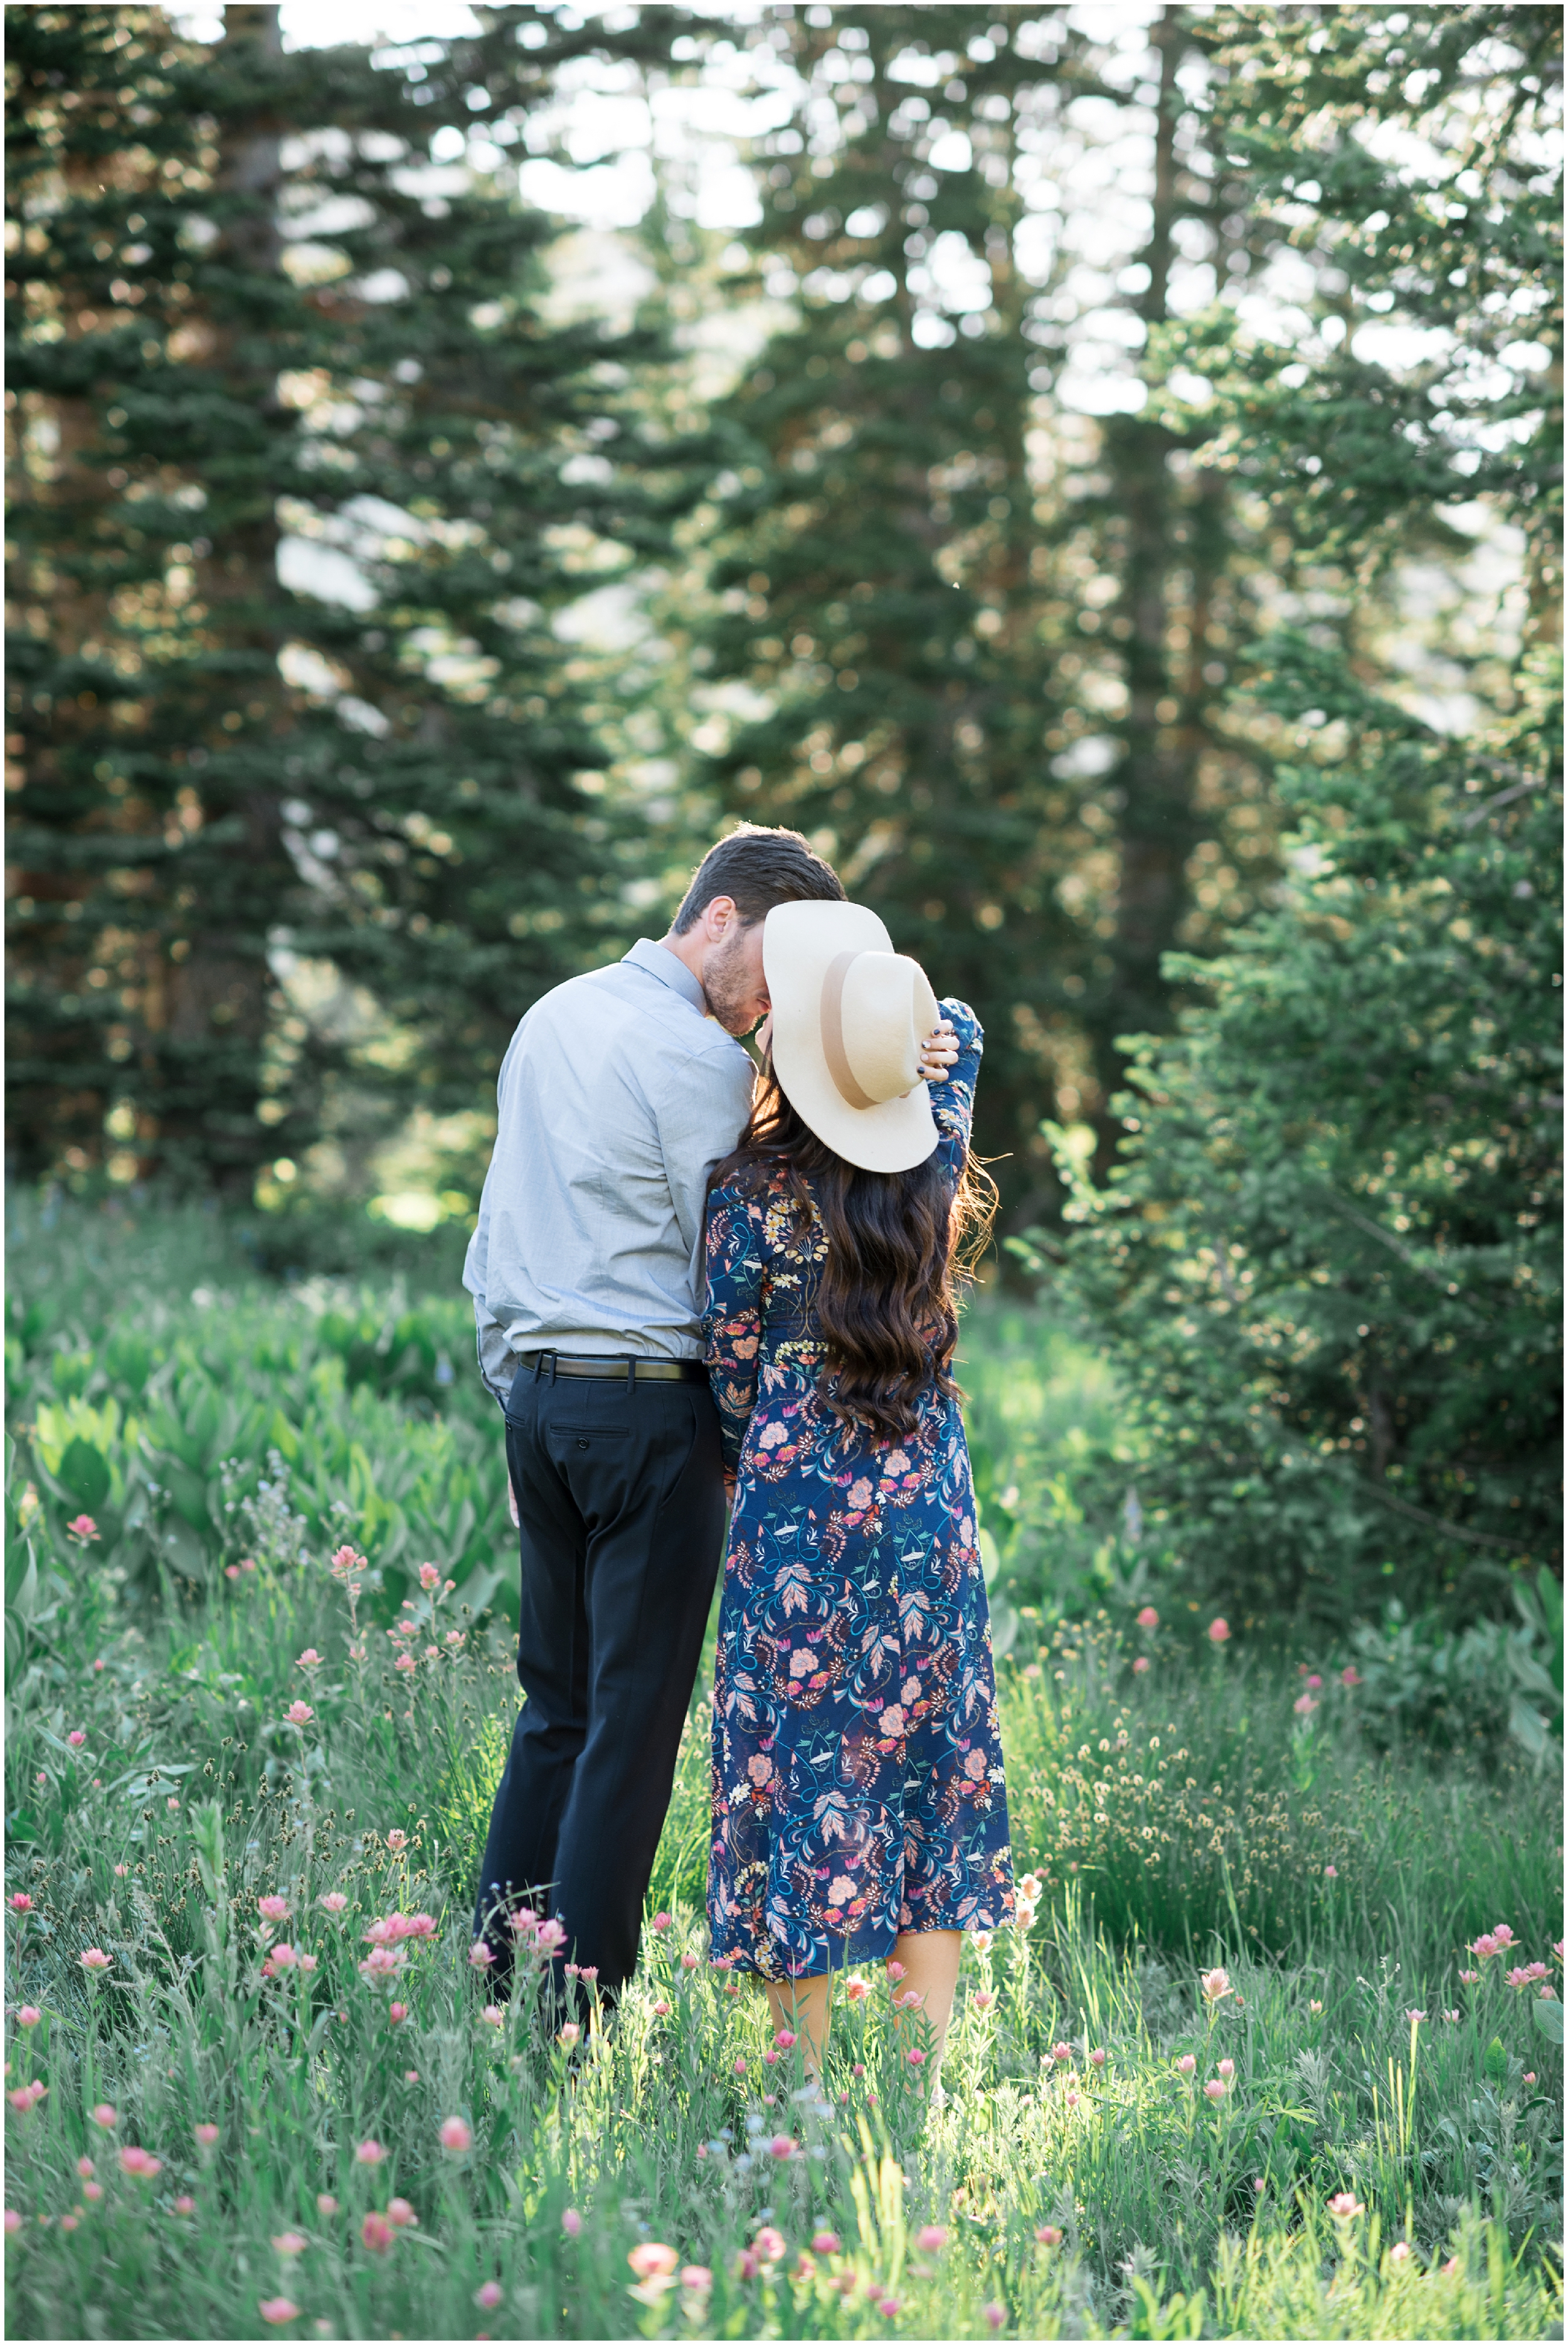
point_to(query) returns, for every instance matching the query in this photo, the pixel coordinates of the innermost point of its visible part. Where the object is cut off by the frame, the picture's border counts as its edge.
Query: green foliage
(191, 1776)
(230, 349)
(1327, 1264)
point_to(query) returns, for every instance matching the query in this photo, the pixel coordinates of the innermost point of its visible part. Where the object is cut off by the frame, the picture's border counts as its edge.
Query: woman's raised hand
(938, 1051)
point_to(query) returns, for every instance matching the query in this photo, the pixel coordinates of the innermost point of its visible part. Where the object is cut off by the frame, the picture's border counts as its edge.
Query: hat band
(833, 1049)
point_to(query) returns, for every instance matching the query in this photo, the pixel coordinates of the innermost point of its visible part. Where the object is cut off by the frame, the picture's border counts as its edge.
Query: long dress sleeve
(732, 1318)
(953, 1102)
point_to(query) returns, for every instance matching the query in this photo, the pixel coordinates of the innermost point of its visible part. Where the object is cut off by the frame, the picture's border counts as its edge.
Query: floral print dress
(857, 1780)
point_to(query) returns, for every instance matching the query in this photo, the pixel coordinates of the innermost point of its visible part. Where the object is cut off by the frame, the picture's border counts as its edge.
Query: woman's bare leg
(804, 2007)
(930, 1960)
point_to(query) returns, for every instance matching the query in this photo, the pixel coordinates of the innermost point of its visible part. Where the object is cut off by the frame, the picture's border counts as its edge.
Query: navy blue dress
(857, 1775)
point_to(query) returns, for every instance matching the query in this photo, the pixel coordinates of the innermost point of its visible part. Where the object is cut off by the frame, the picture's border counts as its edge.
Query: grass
(1183, 1816)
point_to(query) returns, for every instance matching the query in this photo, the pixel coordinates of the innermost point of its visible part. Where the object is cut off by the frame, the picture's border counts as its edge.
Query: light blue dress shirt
(617, 1097)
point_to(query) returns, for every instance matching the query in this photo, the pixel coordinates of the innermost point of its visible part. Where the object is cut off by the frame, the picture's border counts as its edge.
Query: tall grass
(1059, 2192)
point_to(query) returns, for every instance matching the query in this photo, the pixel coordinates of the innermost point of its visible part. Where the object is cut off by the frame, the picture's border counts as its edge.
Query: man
(620, 1092)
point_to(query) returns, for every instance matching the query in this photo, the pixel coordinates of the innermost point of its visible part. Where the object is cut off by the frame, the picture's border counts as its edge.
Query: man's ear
(721, 915)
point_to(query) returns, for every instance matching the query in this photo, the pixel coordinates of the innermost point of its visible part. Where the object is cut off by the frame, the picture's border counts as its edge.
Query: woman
(858, 1801)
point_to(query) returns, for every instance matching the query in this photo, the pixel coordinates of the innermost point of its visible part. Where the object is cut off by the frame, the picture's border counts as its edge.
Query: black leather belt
(616, 1367)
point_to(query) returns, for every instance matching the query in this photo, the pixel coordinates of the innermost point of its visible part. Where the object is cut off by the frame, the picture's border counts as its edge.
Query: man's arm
(700, 1113)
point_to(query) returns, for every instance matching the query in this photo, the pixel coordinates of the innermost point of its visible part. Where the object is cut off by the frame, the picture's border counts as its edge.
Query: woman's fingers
(939, 1052)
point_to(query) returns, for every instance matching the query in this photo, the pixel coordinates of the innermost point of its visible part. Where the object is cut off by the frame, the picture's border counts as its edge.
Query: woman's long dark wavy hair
(901, 1247)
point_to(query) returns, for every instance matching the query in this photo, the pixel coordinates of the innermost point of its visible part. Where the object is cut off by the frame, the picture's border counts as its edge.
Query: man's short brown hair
(758, 867)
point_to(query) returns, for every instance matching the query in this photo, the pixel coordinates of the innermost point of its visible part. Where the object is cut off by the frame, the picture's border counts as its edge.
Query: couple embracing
(696, 1286)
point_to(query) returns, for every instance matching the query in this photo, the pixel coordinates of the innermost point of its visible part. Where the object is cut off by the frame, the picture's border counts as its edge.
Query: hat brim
(800, 943)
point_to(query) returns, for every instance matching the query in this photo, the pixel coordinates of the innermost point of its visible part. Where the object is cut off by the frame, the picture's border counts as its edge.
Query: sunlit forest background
(1094, 470)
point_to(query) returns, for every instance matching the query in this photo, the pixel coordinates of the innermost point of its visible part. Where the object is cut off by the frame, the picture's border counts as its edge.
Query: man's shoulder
(626, 1002)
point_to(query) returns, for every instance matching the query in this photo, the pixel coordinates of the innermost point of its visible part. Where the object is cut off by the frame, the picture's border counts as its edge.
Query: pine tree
(244, 311)
(1329, 1263)
(988, 632)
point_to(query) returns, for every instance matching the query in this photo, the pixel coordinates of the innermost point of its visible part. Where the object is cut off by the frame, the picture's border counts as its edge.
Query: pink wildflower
(1330, 1872)
(696, 2278)
(550, 1937)
(983, 1998)
(1344, 2205)
(770, 2246)
(289, 2243)
(429, 1573)
(277, 2311)
(1140, 1665)
(29, 2015)
(13, 2221)
(492, 2015)
(1216, 1986)
(273, 1909)
(75, 1738)
(92, 1958)
(300, 1713)
(326, 2204)
(398, 2211)
(1313, 1682)
(1219, 1632)
(1227, 2068)
(487, 2296)
(207, 2136)
(1186, 2064)
(106, 2117)
(397, 1841)
(1415, 2017)
(308, 1659)
(826, 2243)
(1352, 1677)
(86, 2168)
(857, 1990)
(140, 2162)
(370, 2152)
(661, 2010)
(1400, 2253)
(1048, 2235)
(931, 2238)
(377, 2233)
(1062, 2052)
(994, 2315)
(1149, 1617)
(1304, 1705)
(1470, 1978)
(572, 2222)
(85, 1529)
(1215, 2088)
(895, 1970)
(185, 2205)
(20, 1903)
(25, 2096)
(569, 2034)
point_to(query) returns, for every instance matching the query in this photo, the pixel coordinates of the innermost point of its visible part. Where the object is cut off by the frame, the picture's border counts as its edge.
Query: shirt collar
(658, 960)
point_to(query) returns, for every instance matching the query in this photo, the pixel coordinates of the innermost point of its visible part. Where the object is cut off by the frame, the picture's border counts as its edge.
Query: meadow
(1279, 2053)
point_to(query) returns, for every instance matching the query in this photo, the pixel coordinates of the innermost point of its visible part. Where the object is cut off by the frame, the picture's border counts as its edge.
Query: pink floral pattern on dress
(857, 1777)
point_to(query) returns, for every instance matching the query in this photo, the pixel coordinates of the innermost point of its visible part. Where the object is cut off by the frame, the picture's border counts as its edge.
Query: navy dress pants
(622, 1497)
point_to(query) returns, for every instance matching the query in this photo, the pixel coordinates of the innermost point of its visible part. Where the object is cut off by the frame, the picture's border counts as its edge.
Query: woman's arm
(732, 1316)
(953, 1100)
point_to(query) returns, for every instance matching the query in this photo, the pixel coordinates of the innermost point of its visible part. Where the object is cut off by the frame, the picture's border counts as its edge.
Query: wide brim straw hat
(849, 1017)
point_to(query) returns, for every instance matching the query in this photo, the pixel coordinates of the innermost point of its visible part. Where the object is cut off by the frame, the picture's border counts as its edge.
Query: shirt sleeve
(700, 1118)
(732, 1318)
(952, 1100)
